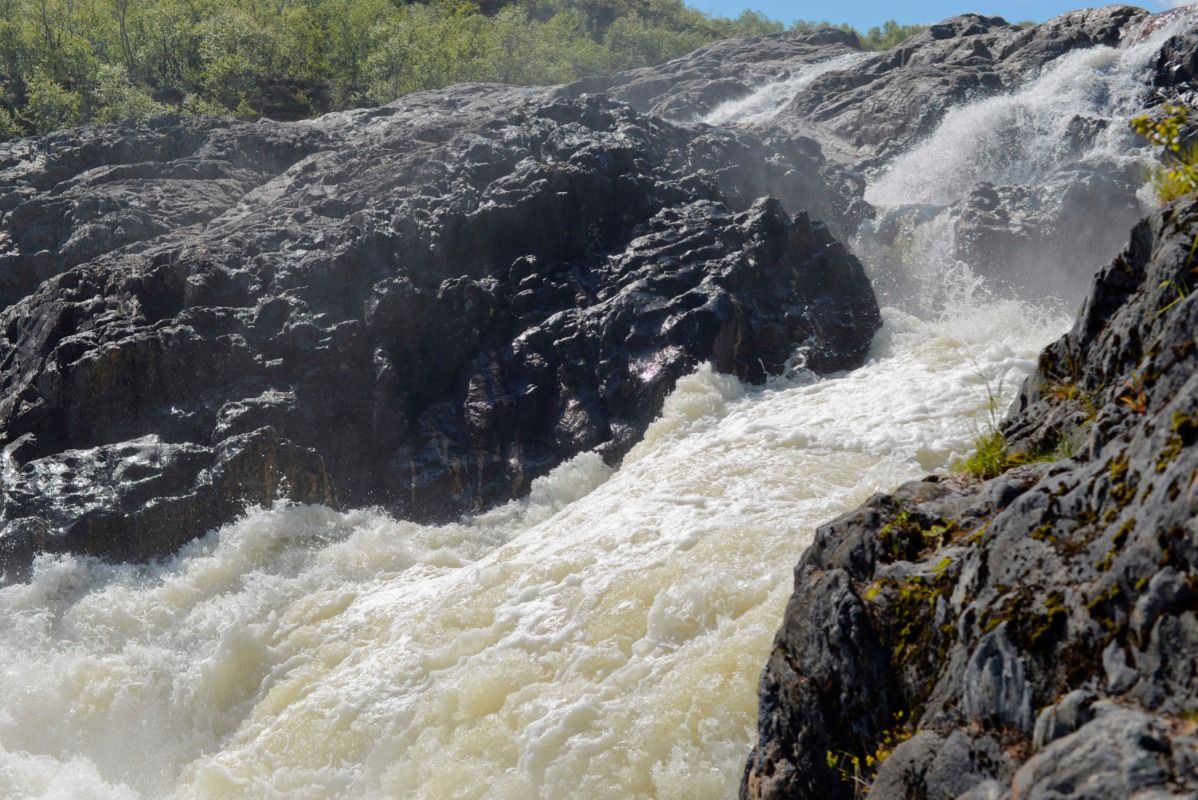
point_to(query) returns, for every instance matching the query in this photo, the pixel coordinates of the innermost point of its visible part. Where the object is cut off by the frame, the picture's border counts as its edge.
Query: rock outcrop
(423, 306)
(1010, 211)
(688, 88)
(1030, 636)
(885, 102)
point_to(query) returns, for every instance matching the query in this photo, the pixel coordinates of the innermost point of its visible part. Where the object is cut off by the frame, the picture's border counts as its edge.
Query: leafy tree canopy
(66, 62)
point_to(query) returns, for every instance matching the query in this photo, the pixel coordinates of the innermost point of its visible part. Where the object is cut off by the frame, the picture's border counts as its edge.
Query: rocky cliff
(1030, 636)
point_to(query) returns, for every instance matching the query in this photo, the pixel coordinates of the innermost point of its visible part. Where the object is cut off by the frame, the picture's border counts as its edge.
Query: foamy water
(601, 639)
(1020, 138)
(1076, 111)
(766, 102)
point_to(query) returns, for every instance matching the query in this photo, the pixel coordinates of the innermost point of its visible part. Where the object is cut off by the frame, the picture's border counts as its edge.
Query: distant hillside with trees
(66, 62)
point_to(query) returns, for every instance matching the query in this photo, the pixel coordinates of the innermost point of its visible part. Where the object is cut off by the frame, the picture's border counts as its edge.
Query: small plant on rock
(990, 456)
(1178, 176)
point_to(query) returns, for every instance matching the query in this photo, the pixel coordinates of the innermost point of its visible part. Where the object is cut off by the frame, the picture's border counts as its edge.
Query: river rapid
(600, 639)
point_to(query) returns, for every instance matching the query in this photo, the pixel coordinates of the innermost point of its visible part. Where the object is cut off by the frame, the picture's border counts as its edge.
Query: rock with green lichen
(1037, 632)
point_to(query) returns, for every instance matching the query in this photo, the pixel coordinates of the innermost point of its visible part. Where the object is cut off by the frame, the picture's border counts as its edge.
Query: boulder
(423, 307)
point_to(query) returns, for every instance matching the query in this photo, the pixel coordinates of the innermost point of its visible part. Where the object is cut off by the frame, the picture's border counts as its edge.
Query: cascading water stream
(1048, 144)
(768, 101)
(601, 639)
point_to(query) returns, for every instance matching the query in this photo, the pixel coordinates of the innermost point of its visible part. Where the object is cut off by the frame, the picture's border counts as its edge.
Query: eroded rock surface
(423, 306)
(1031, 636)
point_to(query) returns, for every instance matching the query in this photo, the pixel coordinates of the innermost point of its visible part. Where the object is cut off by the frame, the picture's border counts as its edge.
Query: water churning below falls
(601, 639)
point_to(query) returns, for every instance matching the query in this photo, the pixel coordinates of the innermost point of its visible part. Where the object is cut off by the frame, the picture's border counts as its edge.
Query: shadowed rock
(423, 306)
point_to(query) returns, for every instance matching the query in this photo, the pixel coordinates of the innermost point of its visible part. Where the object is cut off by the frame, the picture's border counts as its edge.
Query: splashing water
(1020, 138)
(764, 104)
(1074, 114)
(601, 639)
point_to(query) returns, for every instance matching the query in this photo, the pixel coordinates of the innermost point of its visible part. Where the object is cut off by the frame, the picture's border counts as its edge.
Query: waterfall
(767, 102)
(601, 638)
(1056, 164)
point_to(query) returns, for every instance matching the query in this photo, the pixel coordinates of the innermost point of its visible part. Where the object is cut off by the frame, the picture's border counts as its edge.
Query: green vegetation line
(67, 62)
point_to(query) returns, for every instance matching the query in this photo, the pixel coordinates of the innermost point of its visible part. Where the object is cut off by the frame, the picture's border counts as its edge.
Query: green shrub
(990, 458)
(49, 106)
(889, 34)
(117, 99)
(9, 127)
(1178, 176)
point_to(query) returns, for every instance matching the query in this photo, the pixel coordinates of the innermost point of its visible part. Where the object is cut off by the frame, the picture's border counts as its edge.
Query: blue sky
(867, 13)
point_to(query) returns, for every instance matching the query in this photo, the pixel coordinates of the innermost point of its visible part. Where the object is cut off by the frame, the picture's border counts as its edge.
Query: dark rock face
(1031, 636)
(423, 306)
(76, 194)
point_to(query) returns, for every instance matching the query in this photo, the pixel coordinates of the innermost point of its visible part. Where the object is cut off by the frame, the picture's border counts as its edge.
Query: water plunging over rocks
(428, 306)
(1034, 635)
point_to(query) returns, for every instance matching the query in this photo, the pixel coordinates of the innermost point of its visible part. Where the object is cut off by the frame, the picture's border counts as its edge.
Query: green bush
(64, 62)
(1178, 176)
(9, 127)
(49, 106)
(117, 99)
(889, 34)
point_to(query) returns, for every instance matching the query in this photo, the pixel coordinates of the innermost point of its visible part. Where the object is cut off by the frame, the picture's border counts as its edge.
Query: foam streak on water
(767, 102)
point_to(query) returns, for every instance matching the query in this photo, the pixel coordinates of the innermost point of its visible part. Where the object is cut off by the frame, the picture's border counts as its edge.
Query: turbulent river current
(602, 638)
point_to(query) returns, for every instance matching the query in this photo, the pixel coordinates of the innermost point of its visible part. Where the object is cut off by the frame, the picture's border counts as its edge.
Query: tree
(49, 106)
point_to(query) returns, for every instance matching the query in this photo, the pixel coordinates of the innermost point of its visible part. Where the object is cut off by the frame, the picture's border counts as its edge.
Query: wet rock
(690, 87)
(424, 306)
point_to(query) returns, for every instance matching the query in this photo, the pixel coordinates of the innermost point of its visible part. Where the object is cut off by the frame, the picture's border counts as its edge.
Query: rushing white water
(1020, 138)
(768, 101)
(601, 639)
(1075, 112)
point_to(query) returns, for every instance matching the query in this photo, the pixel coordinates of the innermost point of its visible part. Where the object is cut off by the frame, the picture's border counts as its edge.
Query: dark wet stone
(424, 306)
